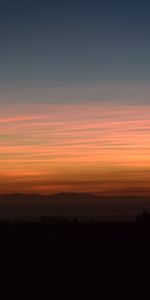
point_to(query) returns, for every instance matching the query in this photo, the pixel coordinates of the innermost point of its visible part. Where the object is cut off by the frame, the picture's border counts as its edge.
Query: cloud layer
(97, 147)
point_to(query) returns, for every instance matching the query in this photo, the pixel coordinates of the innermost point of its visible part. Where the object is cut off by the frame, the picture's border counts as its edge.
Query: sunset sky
(75, 97)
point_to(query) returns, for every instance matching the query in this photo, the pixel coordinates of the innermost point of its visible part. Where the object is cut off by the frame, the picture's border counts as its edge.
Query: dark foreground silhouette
(85, 256)
(64, 255)
(57, 233)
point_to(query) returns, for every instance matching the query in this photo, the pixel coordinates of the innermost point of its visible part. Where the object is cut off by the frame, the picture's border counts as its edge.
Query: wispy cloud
(78, 142)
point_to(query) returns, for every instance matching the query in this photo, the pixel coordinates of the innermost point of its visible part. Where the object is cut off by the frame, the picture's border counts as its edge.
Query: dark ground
(81, 256)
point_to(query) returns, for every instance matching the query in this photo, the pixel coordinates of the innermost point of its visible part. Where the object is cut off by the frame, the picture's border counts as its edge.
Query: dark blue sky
(74, 42)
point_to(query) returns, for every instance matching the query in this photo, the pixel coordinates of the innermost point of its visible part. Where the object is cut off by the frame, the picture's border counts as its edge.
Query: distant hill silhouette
(68, 196)
(73, 204)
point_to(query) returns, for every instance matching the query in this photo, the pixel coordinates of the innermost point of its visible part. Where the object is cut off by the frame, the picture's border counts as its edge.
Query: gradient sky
(75, 96)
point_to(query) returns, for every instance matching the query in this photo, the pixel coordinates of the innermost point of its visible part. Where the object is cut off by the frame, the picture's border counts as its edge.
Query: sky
(75, 97)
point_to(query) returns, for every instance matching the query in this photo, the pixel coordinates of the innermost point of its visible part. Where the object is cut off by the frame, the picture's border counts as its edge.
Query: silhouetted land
(49, 232)
(73, 205)
(69, 251)
(46, 233)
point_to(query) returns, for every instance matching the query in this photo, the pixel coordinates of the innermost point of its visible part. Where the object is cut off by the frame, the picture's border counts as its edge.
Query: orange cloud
(93, 147)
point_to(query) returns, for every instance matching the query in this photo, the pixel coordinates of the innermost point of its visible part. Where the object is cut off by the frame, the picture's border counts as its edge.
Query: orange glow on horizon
(83, 147)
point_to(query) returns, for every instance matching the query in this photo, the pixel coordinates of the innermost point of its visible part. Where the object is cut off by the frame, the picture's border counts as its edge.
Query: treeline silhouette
(58, 247)
(57, 229)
